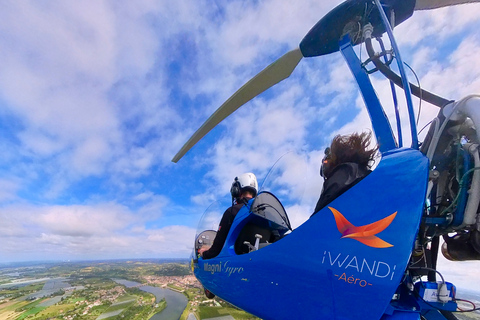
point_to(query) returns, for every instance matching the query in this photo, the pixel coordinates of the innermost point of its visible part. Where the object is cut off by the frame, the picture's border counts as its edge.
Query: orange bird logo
(364, 234)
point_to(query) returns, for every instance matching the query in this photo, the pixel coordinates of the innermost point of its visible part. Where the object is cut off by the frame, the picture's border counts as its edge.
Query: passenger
(346, 162)
(244, 188)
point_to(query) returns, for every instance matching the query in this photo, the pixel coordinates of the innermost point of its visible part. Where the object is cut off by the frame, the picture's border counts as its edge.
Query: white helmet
(244, 182)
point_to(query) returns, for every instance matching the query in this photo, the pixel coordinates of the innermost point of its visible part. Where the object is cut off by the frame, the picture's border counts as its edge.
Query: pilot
(244, 188)
(346, 162)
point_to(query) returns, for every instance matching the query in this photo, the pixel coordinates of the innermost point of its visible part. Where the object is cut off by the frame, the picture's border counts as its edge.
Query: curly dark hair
(353, 148)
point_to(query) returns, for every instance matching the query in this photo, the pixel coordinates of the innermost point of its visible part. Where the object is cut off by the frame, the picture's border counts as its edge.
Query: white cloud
(62, 64)
(105, 230)
(172, 239)
(463, 71)
(83, 221)
(8, 188)
(143, 196)
(59, 62)
(264, 26)
(439, 24)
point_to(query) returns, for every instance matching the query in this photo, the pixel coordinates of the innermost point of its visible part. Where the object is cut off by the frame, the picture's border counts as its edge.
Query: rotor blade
(434, 4)
(268, 77)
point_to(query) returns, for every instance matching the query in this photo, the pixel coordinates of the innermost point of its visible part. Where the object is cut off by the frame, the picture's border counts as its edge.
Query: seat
(248, 235)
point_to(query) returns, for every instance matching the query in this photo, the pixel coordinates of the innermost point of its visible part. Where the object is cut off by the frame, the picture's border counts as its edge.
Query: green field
(174, 287)
(55, 310)
(31, 311)
(121, 305)
(22, 291)
(125, 298)
(212, 312)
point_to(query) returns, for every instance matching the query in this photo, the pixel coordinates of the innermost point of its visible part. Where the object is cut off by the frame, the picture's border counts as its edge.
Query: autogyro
(333, 266)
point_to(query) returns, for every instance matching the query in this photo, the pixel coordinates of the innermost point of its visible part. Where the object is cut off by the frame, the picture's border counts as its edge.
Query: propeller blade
(434, 4)
(267, 78)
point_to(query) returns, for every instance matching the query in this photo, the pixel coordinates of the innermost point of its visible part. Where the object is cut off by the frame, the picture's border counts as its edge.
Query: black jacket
(343, 177)
(223, 229)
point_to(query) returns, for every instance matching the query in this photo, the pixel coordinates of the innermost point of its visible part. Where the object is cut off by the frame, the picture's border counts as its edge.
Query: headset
(236, 189)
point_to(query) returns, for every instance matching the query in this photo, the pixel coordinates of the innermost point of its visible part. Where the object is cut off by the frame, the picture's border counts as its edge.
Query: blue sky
(96, 97)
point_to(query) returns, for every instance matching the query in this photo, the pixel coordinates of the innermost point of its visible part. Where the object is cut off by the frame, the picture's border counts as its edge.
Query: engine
(453, 194)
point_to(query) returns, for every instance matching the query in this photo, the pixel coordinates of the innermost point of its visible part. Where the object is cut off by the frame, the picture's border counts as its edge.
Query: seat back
(248, 234)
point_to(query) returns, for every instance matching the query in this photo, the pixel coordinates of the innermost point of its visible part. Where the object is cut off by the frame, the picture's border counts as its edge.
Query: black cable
(387, 72)
(434, 246)
(448, 314)
(434, 270)
(425, 126)
(420, 98)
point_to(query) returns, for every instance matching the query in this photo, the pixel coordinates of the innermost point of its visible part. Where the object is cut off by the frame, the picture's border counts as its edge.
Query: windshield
(266, 205)
(211, 217)
(208, 224)
(294, 180)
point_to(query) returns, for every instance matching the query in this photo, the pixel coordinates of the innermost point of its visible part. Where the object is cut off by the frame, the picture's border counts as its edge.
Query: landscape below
(87, 291)
(97, 290)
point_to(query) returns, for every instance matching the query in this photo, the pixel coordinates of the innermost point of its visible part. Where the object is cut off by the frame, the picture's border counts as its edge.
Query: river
(176, 302)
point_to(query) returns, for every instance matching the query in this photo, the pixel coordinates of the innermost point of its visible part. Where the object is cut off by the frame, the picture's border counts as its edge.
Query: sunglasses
(325, 159)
